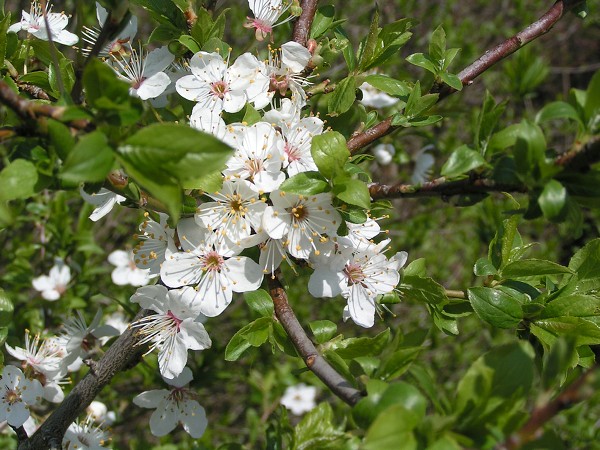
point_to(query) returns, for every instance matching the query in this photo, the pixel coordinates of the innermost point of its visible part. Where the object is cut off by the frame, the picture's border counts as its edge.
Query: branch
(313, 360)
(304, 22)
(32, 111)
(542, 414)
(121, 355)
(467, 75)
(582, 156)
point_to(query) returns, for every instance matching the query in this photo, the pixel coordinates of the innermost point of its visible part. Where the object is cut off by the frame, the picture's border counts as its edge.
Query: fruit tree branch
(303, 23)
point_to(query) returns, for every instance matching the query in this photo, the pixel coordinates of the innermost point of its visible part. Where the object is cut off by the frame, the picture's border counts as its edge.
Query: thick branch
(121, 355)
(542, 414)
(314, 361)
(304, 22)
(489, 58)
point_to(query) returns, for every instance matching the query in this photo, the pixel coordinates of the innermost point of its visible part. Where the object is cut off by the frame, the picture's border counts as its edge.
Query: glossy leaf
(90, 160)
(330, 153)
(18, 180)
(495, 307)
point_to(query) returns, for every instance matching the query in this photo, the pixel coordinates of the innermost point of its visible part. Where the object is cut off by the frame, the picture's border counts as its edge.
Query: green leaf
(354, 192)
(558, 110)
(330, 153)
(393, 425)
(189, 42)
(586, 264)
(461, 161)
(487, 121)
(583, 331)
(531, 268)
(575, 305)
(316, 429)
(501, 246)
(558, 361)
(260, 302)
(322, 21)
(364, 346)
(61, 138)
(305, 183)
(367, 49)
(451, 80)
(164, 12)
(342, 98)
(162, 156)
(323, 330)
(18, 180)
(437, 46)
(252, 335)
(553, 199)
(592, 101)
(90, 160)
(424, 290)
(389, 85)
(495, 307)
(67, 74)
(424, 61)
(484, 267)
(6, 309)
(347, 50)
(4, 24)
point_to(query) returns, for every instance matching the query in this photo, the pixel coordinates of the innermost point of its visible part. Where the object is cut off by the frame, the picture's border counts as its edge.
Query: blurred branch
(123, 354)
(30, 110)
(303, 23)
(487, 60)
(440, 187)
(20, 432)
(314, 361)
(544, 413)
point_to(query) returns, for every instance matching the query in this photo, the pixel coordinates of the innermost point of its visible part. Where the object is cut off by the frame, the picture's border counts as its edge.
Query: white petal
(215, 294)
(17, 415)
(325, 283)
(194, 419)
(154, 86)
(164, 419)
(51, 294)
(361, 306)
(275, 224)
(66, 38)
(158, 60)
(151, 297)
(180, 269)
(295, 56)
(245, 275)
(43, 283)
(119, 258)
(184, 378)
(150, 399)
(173, 359)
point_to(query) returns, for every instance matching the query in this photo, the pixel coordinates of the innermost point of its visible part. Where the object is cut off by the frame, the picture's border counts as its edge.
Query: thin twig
(467, 75)
(21, 433)
(304, 22)
(304, 346)
(124, 353)
(542, 414)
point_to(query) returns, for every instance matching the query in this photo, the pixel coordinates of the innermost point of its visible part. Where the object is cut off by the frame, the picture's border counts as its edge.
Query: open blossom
(210, 121)
(384, 153)
(266, 14)
(104, 200)
(155, 238)
(303, 222)
(174, 329)
(145, 71)
(53, 285)
(126, 271)
(258, 157)
(118, 43)
(84, 436)
(299, 398)
(218, 87)
(178, 405)
(17, 394)
(424, 161)
(210, 263)
(297, 142)
(34, 23)
(360, 276)
(99, 413)
(235, 211)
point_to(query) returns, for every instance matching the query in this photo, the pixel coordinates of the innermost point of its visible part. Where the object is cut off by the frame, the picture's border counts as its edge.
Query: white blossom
(424, 161)
(218, 87)
(17, 394)
(384, 153)
(99, 413)
(155, 238)
(120, 44)
(178, 405)
(296, 147)
(126, 271)
(145, 71)
(174, 329)
(104, 200)
(53, 285)
(300, 398)
(266, 14)
(84, 436)
(34, 23)
(303, 222)
(210, 263)
(258, 157)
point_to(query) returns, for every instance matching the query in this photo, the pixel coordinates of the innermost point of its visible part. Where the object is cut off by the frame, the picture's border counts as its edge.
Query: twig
(467, 75)
(122, 354)
(21, 433)
(541, 415)
(313, 360)
(304, 22)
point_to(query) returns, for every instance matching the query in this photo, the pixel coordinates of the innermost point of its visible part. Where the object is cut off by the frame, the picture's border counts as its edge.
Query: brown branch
(303, 23)
(313, 360)
(20, 432)
(542, 414)
(467, 75)
(121, 355)
(32, 111)
(579, 158)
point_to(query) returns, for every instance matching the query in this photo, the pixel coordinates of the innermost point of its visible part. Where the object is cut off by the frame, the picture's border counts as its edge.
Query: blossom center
(236, 204)
(354, 273)
(254, 166)
(292, 153)
(219, 89)
(12, 397)
(213, 261)
(175, 319)
(300, 212)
